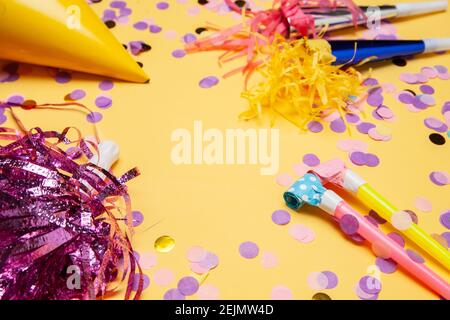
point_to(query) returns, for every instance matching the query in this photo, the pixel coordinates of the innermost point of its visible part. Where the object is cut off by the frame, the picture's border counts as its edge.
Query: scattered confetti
(302, 233)
(208, 292)
(188, 286)
(349, 224)
(269, 260)
(103, 101)
(163, 277)
(148, 260)
(281, 217)
(386, 265)
(196, 254)
(423, 204)
(284, 179)
(311, 160)
(281, 293)
(94, 117)
(174, 294)
(136, 280)
(138, 218)
(106, 85)
(415, 256)
(401, 220)
(440, 178)
(77, 94)
(208, 82)
(445, 219)
(248, 250)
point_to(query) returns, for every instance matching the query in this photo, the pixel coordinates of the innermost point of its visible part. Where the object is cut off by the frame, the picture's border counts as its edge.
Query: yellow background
(218, 207)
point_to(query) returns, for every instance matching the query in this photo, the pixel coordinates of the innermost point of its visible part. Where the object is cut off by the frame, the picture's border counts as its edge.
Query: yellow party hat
(64, 34)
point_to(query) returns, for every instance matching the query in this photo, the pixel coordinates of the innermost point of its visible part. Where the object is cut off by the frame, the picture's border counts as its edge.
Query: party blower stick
(63, 34)
(309, 190)
(351, 181)
(356, 51)
(342, 18)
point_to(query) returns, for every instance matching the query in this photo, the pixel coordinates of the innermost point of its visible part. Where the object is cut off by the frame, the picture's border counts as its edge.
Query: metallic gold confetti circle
(164, 244)
(321, 296)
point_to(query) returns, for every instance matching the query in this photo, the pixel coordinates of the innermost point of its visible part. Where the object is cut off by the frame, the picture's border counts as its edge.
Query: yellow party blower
(334, 171)
(64, 34)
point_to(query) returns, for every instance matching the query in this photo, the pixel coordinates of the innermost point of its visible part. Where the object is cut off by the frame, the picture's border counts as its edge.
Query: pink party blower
(309, 190)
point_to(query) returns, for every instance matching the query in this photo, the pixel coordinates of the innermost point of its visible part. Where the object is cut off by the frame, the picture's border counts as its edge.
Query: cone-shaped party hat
(65, 34)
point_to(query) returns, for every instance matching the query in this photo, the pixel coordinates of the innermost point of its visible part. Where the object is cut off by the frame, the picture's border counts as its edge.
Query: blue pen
(350, 52)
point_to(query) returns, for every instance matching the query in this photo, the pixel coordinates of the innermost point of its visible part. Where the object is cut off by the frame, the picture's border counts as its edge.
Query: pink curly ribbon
(289, 18)
(56, 213)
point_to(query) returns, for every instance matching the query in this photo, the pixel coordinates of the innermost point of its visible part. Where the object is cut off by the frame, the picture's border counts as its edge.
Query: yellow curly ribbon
(300, 83)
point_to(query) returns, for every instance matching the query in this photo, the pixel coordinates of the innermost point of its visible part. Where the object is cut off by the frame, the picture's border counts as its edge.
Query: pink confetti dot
(280, 292)
(163, 277)
(423, 204)
(196, 254)
(148, 260)
(284, 179)
(269, 260)
(208, 292)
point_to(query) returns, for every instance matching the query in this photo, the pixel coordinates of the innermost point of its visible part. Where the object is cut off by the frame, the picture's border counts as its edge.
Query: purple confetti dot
(415, 256)
(370, 82)
(94, 117)
(441, 69)
(62, 77)
(377, 217)
(332, 279)
(189, 37)
(106, 85)
(138, 218)
(155, 29)
(109, 15)
(174, 294)
(435, 124)
(371, 220)
(124, 12)
(386, 265)
(77, 94)
(352, 118)
(315, 126)
(349, 224)
(208, 82)
(162, 5)
(281, 217)
(370, 285)
(445, 107)
(338, 125)
(446, 236)
(427, 89)
(419, 104)
(376, 115)
(145, 283)
(397, 238)
(406, 97)
(445, 219)
(358, 239)
(103, 102)
(140, 25)
(210, 261)
(179, 53)
(118, 4)
(311, 160)
(188, 286)
(358, 158)
(364, 127)
(439, 178)
(15, 100)
(375, 100)
(248, 250)
(372, 160)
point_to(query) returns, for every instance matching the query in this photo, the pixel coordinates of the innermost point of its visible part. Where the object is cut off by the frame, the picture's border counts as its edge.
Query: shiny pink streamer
(44, 195)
